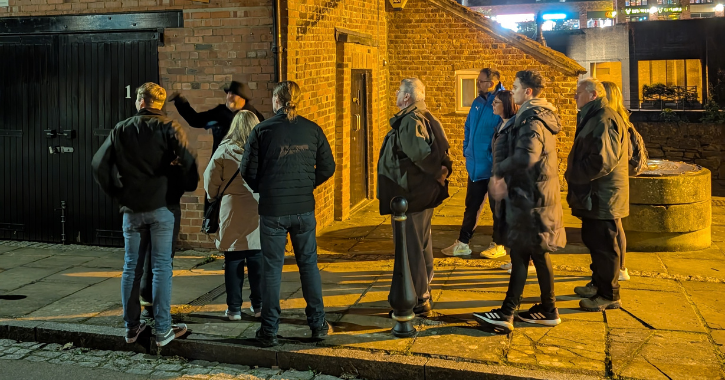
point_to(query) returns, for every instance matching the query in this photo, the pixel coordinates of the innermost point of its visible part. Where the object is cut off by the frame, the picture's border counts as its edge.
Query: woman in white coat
(238, 235)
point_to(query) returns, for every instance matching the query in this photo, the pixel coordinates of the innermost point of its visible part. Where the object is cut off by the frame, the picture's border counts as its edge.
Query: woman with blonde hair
(238, 235)
(637, 158)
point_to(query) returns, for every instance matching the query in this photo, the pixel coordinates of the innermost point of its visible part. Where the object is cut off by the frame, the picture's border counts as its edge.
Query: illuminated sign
(636, 11)
(512, 21)
(554, 16)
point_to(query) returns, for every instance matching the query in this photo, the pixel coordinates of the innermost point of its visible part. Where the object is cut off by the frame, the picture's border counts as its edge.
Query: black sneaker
(266, 340)
(497, 319)
(420, 310)
(538, 315)
(132, 334)
(322, 332)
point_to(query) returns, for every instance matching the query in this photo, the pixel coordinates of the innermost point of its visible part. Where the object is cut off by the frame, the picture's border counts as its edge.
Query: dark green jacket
(598, 170)
(411, 160)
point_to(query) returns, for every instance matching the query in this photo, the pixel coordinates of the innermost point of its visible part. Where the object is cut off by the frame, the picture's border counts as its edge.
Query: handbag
(210, 224)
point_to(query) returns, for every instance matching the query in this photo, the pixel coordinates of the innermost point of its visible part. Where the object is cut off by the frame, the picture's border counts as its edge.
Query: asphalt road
(27, 370)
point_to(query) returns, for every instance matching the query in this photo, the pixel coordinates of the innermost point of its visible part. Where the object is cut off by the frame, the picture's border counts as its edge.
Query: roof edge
(542, 53)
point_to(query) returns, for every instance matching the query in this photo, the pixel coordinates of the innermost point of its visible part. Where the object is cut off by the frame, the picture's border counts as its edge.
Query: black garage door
(59, 97)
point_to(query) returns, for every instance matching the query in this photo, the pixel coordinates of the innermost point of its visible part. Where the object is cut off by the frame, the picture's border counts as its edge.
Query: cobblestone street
(143, 365)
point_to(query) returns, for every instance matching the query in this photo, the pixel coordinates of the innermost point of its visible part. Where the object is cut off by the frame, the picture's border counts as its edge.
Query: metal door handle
(60, 149)
(357, 123)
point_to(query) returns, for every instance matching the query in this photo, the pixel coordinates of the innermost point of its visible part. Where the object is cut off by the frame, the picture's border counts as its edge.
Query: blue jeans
(273, 235)
(160, 225)
(234, 278)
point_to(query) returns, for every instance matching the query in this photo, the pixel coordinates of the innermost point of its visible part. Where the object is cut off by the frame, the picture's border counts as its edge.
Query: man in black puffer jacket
(534, 216)
(285, 159)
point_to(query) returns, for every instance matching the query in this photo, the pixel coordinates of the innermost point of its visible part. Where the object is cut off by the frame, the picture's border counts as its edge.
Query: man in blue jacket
(480, 126)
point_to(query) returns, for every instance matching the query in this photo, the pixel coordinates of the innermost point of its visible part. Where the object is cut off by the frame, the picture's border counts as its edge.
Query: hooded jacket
(534, 216)
(598, 164)
(479, 128)
(411, 160)
(134, 163)
(238, 216)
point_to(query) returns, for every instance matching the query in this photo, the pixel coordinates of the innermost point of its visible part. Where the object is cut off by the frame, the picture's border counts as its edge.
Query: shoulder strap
(228, 183)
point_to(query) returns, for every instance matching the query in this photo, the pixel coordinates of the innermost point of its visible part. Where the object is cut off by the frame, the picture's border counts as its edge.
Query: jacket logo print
(292, 149)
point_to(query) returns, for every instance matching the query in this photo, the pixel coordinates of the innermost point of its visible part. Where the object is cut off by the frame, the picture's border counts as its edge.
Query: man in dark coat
(219, 118)
(598, 176)
(132, 166)
(414, 163)
(530, 180)
(285, 159)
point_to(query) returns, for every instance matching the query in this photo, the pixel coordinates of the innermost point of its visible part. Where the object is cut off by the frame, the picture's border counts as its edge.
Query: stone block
(669, 218)
(686, 188)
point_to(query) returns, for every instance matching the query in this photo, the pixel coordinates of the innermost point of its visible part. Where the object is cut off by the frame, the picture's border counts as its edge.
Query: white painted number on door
(128, 92)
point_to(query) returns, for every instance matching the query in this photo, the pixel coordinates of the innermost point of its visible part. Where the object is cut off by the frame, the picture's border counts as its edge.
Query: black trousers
(603, 239)
(148, 277)
(475, 198)
(520, 270)
(234, 278)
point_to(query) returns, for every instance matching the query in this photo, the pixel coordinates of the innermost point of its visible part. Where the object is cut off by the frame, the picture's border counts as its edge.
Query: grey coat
(534, 216)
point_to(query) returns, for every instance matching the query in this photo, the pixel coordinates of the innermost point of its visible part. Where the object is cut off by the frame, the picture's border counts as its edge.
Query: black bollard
(402, 297)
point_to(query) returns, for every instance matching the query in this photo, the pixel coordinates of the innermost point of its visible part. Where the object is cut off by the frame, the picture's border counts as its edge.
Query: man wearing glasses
(479, 129)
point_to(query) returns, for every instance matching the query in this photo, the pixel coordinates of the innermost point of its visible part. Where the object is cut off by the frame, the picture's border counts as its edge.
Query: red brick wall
(220, 41)
(444, 44)
(321, 66)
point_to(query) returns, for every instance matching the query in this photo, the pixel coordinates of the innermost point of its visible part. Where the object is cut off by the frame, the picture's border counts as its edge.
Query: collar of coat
(589, 110)
(150, 111)
(417, 106)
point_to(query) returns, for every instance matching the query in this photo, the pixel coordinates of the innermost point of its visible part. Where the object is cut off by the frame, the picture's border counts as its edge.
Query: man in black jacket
(131, 166)
(528, 177)
(219, 118)
(414, 163)
(598, 176)
(285, 159)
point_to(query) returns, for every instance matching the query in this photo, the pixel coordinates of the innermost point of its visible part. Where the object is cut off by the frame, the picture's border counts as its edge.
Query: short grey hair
(415, 88)
(594, 85)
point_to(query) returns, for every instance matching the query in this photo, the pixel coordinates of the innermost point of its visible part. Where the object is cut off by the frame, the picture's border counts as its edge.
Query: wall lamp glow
(653, 10)
(719, 8)
(554, 16)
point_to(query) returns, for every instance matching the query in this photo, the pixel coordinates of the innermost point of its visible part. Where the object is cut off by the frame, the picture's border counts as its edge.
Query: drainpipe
(277, 41)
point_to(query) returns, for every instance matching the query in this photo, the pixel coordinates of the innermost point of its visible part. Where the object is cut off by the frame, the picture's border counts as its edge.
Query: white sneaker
(624, 275)
(494, 251)
(532, 269)
(233, 315)
(507, 266)
(457, 249)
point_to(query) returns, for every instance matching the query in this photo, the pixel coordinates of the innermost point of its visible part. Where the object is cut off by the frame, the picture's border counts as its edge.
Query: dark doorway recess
(60, 95)
(358, 137)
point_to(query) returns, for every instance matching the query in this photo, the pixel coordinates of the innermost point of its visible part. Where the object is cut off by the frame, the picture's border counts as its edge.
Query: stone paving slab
(672, 304)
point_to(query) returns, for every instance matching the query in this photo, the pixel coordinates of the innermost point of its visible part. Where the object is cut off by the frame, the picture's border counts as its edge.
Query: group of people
(263, 174)
(510, 147)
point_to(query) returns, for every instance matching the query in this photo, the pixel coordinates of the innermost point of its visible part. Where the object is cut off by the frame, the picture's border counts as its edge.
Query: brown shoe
(587, 291)
(598, 303)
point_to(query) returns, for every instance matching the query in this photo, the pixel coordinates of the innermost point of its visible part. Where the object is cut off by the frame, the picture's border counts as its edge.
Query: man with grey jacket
(414, 163)
(598, 177)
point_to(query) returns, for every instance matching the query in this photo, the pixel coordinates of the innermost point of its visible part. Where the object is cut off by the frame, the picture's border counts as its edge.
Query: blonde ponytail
(288, 94)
